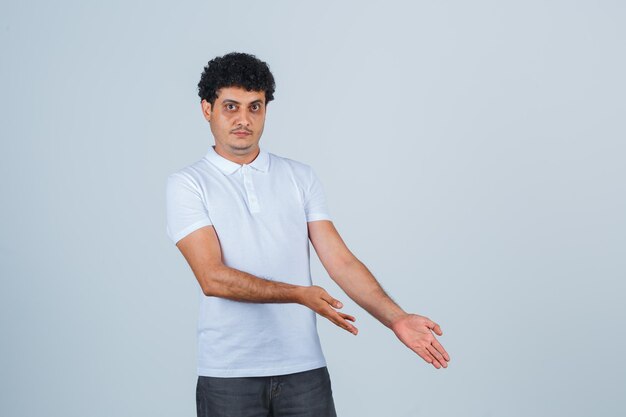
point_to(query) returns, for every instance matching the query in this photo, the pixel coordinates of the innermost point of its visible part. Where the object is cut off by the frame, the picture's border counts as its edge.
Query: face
(237, 119)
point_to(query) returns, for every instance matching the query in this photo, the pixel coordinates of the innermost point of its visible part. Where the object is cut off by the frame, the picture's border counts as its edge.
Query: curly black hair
(236, 69)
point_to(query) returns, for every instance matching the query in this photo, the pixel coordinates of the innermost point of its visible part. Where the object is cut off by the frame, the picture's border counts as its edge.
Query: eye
(256, 107)
(230, 106)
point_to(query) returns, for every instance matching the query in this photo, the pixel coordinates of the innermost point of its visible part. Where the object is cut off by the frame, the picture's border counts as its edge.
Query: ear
(206, 110)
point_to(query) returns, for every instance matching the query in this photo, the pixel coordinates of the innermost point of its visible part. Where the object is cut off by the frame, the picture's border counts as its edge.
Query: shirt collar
(260, 163)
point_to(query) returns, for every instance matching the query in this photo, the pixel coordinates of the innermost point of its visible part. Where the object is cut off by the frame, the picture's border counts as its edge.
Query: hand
(415, 332)
(317, 299)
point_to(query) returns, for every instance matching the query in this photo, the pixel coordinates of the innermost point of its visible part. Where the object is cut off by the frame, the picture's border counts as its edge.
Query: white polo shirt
(260, 212)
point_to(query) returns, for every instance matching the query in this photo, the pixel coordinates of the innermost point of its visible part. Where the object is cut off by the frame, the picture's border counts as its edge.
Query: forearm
(361, 286)
(238, 285)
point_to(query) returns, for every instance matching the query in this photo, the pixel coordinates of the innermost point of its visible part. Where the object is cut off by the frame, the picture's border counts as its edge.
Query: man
(242, 218)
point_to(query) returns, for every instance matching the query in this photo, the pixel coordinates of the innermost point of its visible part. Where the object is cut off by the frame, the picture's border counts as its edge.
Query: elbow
(209, 282)
(209, 289)
(206, 290)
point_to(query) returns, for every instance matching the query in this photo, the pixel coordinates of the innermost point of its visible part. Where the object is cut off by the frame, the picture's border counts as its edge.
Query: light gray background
(472, 155)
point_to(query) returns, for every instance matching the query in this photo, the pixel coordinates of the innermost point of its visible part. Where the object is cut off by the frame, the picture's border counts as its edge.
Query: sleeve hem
(187, 230)
(317, 216)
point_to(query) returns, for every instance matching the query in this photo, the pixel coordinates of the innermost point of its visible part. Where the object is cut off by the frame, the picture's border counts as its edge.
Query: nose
(244, 118)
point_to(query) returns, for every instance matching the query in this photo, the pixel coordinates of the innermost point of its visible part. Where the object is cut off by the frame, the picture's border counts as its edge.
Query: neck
(241, 159)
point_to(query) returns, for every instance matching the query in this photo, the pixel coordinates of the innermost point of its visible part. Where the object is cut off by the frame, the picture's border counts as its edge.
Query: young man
(242, 218)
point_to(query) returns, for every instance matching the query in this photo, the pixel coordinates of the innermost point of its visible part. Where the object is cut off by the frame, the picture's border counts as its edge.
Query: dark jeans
(303, 394)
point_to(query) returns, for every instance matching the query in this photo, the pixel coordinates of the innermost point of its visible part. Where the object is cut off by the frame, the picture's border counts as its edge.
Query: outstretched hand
(415, 332)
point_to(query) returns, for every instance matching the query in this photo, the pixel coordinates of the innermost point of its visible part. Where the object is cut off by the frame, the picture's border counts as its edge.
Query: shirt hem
(232, 373)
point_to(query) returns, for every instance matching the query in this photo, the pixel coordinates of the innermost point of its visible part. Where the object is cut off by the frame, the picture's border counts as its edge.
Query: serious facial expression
(237, 119)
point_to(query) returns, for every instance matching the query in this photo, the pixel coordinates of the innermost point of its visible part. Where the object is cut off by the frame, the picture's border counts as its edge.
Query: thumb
(332, 301)
(437, 329)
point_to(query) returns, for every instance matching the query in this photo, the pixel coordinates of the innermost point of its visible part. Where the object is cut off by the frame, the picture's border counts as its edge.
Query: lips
(241, 133)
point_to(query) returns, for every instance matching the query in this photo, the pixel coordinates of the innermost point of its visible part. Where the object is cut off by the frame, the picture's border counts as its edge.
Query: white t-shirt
(260, 212)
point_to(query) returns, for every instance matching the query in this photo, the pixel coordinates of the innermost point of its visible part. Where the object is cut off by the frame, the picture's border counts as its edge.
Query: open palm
(416, 332)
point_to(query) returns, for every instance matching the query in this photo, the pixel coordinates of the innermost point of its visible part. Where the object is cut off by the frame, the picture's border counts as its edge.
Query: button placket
(250, 192)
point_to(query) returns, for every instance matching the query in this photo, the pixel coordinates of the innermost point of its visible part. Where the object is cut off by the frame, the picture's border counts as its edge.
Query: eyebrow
(228, 100)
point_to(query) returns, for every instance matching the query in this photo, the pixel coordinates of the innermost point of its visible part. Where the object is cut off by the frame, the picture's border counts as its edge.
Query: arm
(360, 285)
(202, 251)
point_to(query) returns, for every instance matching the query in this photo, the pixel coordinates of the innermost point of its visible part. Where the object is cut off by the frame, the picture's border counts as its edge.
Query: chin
(242, 146)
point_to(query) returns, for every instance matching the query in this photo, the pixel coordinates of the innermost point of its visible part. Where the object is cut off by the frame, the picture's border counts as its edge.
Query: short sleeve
(185, 208)
(315, 199)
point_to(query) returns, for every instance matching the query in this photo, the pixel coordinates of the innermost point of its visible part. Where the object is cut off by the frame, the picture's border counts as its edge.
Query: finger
(434, 327)
(433, 361)
(339, 321)
(347, 316)
(425, 354)
(440, 360)
(332, 301)
(441, 350)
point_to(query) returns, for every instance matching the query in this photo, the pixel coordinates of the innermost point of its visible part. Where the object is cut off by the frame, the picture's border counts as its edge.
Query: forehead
(240, 95)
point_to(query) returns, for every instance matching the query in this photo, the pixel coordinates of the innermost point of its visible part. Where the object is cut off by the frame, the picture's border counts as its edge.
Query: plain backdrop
(473, 157)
